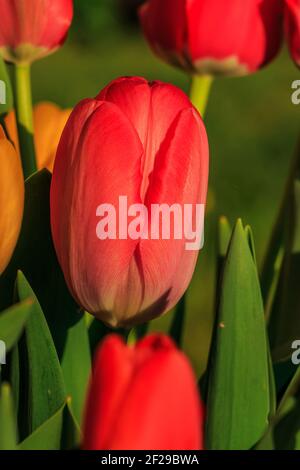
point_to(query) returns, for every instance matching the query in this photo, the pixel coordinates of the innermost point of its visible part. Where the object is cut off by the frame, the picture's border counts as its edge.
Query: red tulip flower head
(31, 29)
(292, 23)
(145, 143)
(217, 37)
(142, 398)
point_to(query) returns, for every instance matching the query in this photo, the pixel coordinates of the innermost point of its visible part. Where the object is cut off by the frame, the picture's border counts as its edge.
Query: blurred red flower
(293, 28)
(142, 397)
(214, 36)
(31, 29)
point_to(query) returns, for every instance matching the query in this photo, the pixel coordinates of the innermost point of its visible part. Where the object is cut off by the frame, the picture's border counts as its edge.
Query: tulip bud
(11, 199)
(292, 24)
(215, 37)
(145, 144)
(142, 398)
(32, 29)
(49, 122)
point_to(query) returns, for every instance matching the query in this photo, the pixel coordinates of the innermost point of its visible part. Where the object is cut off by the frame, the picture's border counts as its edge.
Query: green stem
(199, 92)
(24, 117)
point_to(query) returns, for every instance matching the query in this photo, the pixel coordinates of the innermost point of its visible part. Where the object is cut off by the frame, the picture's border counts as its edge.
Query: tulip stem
(199, 92)
(24, 115)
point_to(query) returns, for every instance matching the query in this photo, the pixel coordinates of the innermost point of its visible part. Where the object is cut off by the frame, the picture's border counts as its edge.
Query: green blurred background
(251, 122)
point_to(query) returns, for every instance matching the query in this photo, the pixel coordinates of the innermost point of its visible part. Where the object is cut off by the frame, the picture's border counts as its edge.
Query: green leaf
(8, 426)
(13, 321)
(35, 257)
(6, 89)
(71, 436)
(274, 255)
(136, 333)
(292, 390)
(224, 236)
(238, 402)
(223, 239)
(250, 239)
(15, 376)
(46, 392)
(272, 385)
(284, 325)
(76, 364)
(284, 432)
(177, 326)
(284, 372)
(269, 303)
(47, 436)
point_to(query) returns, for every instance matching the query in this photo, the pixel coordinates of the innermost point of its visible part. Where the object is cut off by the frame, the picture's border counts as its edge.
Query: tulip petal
(11, 127)
(133, 96)
(292, 26)
(143, 398)
(11, 200)
(66, 149)
(264, 34)
(115, 164)
(42, 23)
(160, 410)
(216, 30)
(59, 17)
(180, 176)
(49, 122)
(109, 384)
(167, 101)
(174, 400)
(165, 28)
(151, 108)
(272, 14)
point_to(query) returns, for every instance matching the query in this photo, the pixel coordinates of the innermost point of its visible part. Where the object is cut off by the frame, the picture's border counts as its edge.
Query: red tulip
(142, 398)
(144, 141)
(293, 28)
(30, 29)
(214, 36)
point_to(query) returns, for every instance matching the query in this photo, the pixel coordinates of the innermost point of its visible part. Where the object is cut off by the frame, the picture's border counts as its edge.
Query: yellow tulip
(11, 199)
(49, 122)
